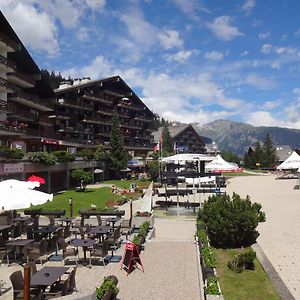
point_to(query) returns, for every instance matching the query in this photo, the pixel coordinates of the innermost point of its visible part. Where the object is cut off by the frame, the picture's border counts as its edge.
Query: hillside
(237, 137)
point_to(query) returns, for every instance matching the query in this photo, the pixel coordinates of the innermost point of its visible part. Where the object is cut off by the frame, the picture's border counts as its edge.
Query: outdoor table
(46, 229)
(4, 227)
(4, 231)
(112, 220)
(21, 243)
(100, 230)
(22, 220)
(84, 243)
(65, 219)
(47, 276)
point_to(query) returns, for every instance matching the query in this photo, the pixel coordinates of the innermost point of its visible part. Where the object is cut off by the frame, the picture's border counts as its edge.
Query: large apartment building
(76, 115)
(83, 111)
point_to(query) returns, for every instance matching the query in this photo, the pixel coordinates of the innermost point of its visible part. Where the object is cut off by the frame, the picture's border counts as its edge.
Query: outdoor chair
(67, 231)
(29, 232)
(114, 240)
(36, 251)
(51, 221)
(99, 253)
(72, 283)
(67, 250)
(57, 290)
(4, 253)
(32, 266)
(126, 228)
(17, 282)
(99, 219)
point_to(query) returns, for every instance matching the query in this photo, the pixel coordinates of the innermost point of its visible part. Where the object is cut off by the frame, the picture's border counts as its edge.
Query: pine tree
(258, 154)
(118, 157)
(167, 145)
(269, 152)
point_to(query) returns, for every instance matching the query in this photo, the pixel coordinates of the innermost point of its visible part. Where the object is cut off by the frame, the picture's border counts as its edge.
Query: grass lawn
(234, 174)
(101, 197)
(124, 184)
(248, 285)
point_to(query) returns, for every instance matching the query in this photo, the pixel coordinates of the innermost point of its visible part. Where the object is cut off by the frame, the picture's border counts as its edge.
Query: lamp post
(71, 206)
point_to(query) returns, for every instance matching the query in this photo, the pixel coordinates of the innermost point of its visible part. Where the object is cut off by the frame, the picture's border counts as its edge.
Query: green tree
(86, 154)
(231, 157)
(153, 169)
(269, 157)
(258, 154)
(231, 221)
(118, 156)
(100, 153)
(167, 144)
(82, 177)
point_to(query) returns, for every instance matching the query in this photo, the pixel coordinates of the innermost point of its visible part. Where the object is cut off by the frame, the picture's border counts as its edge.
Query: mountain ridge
(238, 136)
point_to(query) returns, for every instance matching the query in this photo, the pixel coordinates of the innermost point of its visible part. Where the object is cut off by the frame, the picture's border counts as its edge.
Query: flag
(156, 148)
(161, 140)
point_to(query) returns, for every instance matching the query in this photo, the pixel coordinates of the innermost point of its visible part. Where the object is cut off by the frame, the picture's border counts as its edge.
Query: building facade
(185, 138)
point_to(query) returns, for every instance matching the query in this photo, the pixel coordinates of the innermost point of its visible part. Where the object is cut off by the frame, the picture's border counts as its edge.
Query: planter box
(214, 297)
(138, 221)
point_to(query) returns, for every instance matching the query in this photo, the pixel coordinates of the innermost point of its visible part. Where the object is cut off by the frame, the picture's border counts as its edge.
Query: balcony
(5, 86)
(3, 104)
(14, 111)
(70, 103)
(143, 119)
(129, 106)
(28, 100)
(7, 44)
(97, 99)
(7, 65)
(105, 112)
(92, 120)
(21, 79)
(131, 126)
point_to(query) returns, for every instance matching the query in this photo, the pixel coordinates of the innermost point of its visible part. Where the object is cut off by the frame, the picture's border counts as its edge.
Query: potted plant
(137, 242)
(108, 289)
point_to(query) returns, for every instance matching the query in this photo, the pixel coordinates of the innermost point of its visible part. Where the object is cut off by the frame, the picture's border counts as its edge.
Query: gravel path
(279, 235)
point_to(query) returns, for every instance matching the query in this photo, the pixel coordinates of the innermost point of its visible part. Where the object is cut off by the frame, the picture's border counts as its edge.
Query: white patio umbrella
(16, 198)
(18, 184)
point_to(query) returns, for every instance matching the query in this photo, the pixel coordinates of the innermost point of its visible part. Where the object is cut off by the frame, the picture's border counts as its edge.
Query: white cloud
(170, 39)
(83, 34)
(223, 30)
(264, 35)
(214, 55)
(261, 118)
(297, 33)
(191, 8)
(96, 4)
(260, 82)
(138, 28)
(248, 5)
(35, 29)
(182, 55)
(266, 48)
(245, 53)
(271, 104)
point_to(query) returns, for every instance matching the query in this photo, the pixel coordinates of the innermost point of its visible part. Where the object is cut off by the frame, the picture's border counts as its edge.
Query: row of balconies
(97, 99)
(7, 65)
(7, 44)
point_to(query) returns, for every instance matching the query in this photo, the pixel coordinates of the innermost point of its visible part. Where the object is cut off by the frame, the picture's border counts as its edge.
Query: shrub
(64, 156)
(242, 261)
(231, 222)
(13, 153)
(106, 286)
(208, 257)
(136, 240)
(86, 153)
(202, 236)
(212, 287)
(43, 158)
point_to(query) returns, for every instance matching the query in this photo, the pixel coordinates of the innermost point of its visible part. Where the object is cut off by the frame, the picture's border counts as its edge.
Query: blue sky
(188, 60)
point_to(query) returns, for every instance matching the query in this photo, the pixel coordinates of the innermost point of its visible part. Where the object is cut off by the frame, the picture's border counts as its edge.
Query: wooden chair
(114, 239)
(126, 228)
(57, 290)
(99, 219)
(37, 250)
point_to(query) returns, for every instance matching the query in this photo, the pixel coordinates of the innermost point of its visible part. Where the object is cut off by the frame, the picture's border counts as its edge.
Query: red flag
(156, 148)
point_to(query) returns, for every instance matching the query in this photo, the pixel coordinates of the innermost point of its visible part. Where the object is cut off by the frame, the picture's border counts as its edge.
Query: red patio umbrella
(36, 179)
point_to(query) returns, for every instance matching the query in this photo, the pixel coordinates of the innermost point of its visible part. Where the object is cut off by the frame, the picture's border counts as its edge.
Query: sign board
(131, 257)
(13, 168)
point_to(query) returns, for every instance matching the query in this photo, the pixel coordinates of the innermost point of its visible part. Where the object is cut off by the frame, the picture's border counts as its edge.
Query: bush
(202, 236)
(208, 257)
(43, 158)
(64, 156)
(212, 287)
(242, 261)
(13, 153)
(231, 222)
(108, 285)
(86, 153)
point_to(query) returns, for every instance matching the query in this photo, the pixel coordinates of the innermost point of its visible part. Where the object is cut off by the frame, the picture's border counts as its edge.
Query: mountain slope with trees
(237, 137)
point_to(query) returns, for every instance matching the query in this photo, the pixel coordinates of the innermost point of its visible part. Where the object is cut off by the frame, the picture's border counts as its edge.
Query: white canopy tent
(18, 184)
(182, 158)
(219, 164)
(291, 163)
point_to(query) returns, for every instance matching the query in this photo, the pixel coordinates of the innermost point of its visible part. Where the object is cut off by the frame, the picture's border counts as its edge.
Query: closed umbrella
(34, 178)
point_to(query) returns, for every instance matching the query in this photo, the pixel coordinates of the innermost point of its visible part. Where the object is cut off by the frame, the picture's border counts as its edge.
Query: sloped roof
(283, 152)
(174, 131)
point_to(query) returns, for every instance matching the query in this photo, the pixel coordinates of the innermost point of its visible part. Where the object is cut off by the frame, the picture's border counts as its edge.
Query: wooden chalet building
(185, 138)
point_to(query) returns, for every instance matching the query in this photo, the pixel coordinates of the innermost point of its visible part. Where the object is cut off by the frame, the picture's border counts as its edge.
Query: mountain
(237, 137)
